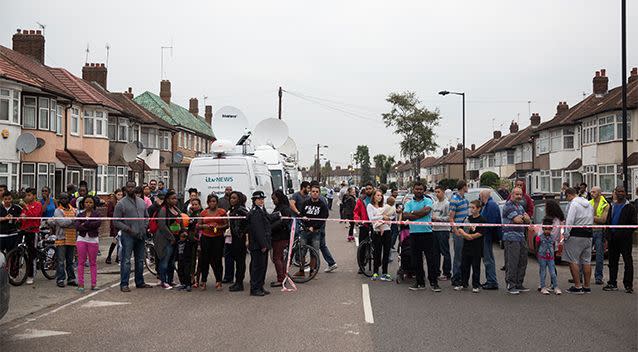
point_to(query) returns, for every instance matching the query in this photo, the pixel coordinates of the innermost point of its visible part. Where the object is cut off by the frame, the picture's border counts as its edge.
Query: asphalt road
(326, 314)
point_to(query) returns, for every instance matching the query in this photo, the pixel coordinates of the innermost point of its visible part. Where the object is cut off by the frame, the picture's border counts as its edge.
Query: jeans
(515, 263)
(617, 247)
(312, 239)
(488, 261)
(456, 268)
(63, 272)
(325, 252)
(599, 244)
(442, 247)
(135, 246)
(166, 264)
(423, 243)
(471, 262)
(229, 270)
(86, 249)
(543, 266)
(394, 229)
(381, 245)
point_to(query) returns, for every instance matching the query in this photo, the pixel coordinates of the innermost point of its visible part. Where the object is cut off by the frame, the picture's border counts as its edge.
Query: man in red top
(30, 227)
(527, 202)
(361, 212)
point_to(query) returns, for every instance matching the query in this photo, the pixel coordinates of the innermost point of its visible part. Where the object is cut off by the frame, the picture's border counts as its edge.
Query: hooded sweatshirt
(580, 212)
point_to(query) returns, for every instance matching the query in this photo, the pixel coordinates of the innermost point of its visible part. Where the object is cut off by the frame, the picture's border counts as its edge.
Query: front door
(59, 182)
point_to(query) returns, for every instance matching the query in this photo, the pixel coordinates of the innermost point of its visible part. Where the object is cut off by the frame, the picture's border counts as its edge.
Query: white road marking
(33, 334)
(367, 305)
(97, 304)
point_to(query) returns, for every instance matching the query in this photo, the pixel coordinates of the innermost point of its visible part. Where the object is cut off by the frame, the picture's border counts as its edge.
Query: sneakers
(350, 238)
(331, 268)
(236, 288)
(558, 291)
(386, 277)
(575, 290)
(458, 288)
(443, 278)
(436, 288)
(544, 291)
(586, 290)
(599, 282)
(513, 291)
(375, 277)
(416, 287)
(522, 289)
(29, 281)
(475, 290)
(61, 284)
(610, 287)
(166, 286)
(629, 290)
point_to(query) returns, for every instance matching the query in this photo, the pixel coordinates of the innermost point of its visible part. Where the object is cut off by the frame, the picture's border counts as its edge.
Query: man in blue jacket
(492, 215)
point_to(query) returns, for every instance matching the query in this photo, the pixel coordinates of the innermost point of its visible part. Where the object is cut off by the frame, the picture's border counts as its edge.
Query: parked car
(4, 286)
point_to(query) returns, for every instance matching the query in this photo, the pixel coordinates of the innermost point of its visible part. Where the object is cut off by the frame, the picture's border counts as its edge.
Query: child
(546, 244)
(190, 251)
(472, 248)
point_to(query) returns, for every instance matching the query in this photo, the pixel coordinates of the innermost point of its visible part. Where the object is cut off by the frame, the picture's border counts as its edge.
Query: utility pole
(625, 168)
(280, 94)
(317, 165)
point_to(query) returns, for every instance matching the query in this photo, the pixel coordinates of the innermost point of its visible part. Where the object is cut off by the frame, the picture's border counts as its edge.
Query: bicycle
(150, 256)
(306, 254)
(45, 258)
(365, 255)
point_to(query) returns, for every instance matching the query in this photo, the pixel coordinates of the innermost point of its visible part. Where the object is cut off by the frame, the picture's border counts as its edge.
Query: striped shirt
(460, 206)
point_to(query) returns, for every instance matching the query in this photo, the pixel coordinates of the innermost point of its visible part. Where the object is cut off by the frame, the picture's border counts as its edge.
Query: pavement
(330, 313)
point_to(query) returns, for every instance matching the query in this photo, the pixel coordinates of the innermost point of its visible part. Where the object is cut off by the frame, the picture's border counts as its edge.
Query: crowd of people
(193, 237)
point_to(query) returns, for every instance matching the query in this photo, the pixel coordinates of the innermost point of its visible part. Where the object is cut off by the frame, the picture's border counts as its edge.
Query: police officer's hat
(258, 195)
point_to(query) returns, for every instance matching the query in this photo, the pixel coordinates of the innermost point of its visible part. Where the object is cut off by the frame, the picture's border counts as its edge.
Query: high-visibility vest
(601, 206)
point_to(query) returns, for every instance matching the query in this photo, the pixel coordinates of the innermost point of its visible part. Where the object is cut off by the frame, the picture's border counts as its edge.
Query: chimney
(165, 91)
(337, 167)
(633, 76)
(459, 146)
(535, 119)
(513, 127)
(30, 43)
(561, 108)
(129, 93)
(473, 147)
(451, 149)
(193, 106)
(497, 134)
(94, 73)
(601, 83)
(208, 115)
(444, 151)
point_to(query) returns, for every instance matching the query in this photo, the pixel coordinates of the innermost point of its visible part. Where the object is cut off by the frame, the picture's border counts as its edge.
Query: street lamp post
(625, 168)
(462, 94)
(318, 162)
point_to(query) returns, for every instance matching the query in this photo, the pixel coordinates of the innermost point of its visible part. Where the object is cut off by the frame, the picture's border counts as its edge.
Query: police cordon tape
(402, 222)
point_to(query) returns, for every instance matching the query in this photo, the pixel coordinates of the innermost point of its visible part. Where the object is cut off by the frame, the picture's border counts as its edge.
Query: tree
(362, 158)
(448, 183)
(383, 165)
(490, 179)
(415, 124)
(326, 170)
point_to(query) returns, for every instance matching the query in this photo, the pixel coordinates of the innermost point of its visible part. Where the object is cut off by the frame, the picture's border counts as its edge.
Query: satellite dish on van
(229, 123)
(130, 152)
(26, 143)
(289, 148)
(178, 157)
(273, 132)
(222, 146)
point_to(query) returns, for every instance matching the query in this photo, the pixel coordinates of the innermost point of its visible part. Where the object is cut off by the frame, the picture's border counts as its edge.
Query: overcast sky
(348, 55)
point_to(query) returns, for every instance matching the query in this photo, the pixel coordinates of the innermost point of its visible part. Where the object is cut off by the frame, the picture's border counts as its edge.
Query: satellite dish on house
(26, 143)
(273, 132)
(140, 147)
(130, 152)
(289, 148)
(178, 157)
(229, 123)
(40, 143)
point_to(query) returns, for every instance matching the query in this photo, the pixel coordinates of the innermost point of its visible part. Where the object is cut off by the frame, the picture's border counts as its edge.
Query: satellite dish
(273, 132)
(129, 152)
(229, 123)
(26, 143)
(178, 157)
(41, 142)
(140, 147)
(222, 146)
(289, 148)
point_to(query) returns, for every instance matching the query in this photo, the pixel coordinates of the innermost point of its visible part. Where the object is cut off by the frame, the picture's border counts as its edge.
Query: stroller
(404, 256)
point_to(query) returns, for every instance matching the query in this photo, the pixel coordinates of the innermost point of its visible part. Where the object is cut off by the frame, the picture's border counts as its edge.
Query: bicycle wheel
(48, 261)
(311, 260)
(17, 265)
(150, 258)
(364, 258)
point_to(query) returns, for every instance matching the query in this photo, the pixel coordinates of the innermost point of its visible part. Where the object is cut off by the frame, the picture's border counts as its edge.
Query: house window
(28, 112)
(122, 176)
(88, 175)
(545, 181)
(46, 177)
(9, 175)
(590, 132)
(568, 138)
(102, 177)
(134, 133)
(542, 144)
(149, 137)
(122, 128)
(518, 155)
(89, 121)
(510, 157)
(58, 118)
(619, 127)
(166, 141)
(527, 153)
(491, 160)
(43, 115)
(590, 176)
(53, 116)
(95, 123)
(606, 128)
(555, 140)
(165, 176)
(100, 122)
(73, 176)
(28, 175)
(75, 121)
(609, 177)
(557, 180)
(9, 105)
(112, 129)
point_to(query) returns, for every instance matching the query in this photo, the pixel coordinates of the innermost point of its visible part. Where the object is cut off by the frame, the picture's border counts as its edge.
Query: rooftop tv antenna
(108, 47)
(42, 26)
(86, 61)
(163, 74)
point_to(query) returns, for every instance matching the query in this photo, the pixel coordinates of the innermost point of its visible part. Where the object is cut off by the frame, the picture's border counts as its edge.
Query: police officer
(259, 244)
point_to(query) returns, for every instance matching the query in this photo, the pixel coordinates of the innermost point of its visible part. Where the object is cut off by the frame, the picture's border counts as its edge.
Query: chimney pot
(451, 149)
(513, 127)
(27, 42)
(634, 75)
(473, 146)
(561, 108)
(535, 119)
(497, 134)
(130, 90)
(165, 91)
(602, 72)
(600, 83)
(444, 151)
(38, 32)
(459, 146)
(193, 106)
(95, 73)
(19, 30)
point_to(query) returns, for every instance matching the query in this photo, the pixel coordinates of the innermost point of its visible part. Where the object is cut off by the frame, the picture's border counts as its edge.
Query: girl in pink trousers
(88, 242)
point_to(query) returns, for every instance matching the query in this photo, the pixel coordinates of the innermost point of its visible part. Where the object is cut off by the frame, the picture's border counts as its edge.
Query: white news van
(244, 173)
